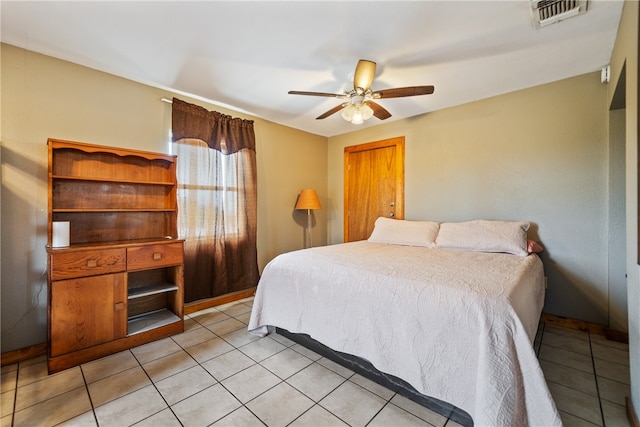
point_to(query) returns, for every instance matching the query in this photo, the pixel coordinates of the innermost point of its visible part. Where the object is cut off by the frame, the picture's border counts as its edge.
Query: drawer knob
(119, 306)
(157, 256)
(92, 263)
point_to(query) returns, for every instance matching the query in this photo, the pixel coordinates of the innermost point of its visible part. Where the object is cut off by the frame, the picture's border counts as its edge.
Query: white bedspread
(457, 326)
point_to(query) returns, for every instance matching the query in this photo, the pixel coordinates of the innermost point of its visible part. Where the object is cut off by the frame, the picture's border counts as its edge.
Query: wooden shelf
(114, 180)
(144, 291)
(117, 243)
(149, 321)
(90, 210)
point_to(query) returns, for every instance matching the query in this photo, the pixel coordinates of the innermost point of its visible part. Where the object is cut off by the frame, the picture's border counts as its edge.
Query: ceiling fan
(359, 104)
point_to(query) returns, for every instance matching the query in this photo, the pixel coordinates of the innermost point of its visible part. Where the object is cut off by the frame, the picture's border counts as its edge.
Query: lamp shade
(308, 199)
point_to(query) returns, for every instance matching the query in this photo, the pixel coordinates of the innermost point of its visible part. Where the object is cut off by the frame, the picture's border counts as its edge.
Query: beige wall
(43, 97)
(625, 55)
(538, 155)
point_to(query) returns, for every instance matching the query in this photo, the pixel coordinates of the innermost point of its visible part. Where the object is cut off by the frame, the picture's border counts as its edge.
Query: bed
(448, 309)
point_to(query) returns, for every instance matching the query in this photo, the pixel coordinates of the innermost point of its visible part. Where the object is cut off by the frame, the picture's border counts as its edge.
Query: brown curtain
(217, 200)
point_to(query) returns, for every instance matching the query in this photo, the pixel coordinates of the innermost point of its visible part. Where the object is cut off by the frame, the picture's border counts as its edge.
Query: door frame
(398, 143)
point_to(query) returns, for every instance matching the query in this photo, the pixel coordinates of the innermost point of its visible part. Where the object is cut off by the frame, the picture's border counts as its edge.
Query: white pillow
(485, 236)
(401, 232)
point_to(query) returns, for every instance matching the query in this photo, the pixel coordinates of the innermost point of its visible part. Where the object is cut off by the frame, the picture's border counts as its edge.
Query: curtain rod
(167, 100)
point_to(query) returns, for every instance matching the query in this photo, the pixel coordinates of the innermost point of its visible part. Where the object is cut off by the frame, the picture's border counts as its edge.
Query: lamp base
(309, 228)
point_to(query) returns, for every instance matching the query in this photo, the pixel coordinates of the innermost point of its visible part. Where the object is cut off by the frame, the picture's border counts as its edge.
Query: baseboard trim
(195, 306)
(19, 355)
(632, 415)
(581, 325)
(15, 356)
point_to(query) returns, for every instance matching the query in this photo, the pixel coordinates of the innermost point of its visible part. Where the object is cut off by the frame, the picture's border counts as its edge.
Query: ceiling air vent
(547, 12)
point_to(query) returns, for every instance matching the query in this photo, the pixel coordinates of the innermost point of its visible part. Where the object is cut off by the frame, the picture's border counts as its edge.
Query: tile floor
(215, 373)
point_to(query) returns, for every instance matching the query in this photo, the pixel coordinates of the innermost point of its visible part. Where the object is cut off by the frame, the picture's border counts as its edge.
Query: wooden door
(87, 311)
(373, 185)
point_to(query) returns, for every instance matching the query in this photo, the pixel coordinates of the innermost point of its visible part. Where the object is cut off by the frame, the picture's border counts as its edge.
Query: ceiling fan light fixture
(367, 112)
(357, 113)
(357, 118)
(347, 112)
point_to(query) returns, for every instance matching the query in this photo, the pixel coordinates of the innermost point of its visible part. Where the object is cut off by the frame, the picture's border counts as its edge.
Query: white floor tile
(306, 352)
(241, 417)
(612, 371)
(240, 337)
(228, 364)
(9, 379)
(164, 418)
(280, 405)
(130, 409)
(353, 404)
(566, 332)
(31, 373)
(251, 382)
(206, 407)
(282, 340)
(372, 386)
(169, 365)
(87, 419)
(226, 326)
(317, 416)
(107, 366)
(48, 387)
(391, 415)
(573, 378)
(6, 421)
(118, 385)
(569, 420)
(184, 384)
(576, 345)
(316, 381)
(613, 391)
(610, 354)
(235, 309)
(155, 350)
(209, 349)
(335, 367)
(206, 318)
(615, 415)
(261, 349)
(286, 363)
(193, 337)
(566, 358)
(6, 403)
(55, 410)
(576, 403)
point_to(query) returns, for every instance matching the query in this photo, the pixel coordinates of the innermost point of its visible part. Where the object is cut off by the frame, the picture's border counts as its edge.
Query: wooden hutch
(119, 282)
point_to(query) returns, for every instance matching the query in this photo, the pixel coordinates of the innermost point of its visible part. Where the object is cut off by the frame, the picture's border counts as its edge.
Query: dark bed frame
(367, 370)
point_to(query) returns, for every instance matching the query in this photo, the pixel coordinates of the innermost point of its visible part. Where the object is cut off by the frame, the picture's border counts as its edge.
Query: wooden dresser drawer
(68, 265)
(154, 256)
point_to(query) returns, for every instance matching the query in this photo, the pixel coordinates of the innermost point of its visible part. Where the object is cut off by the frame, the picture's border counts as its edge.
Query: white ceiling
(247, 55)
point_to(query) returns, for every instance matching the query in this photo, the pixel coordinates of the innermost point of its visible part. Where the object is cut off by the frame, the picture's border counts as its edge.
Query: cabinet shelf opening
(147, 290)
(148, 321)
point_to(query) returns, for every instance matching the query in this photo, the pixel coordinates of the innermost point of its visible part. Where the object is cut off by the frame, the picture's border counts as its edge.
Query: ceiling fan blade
(378, 110)
(363, 76)
(330, 95)
(403, 91)
(330, 112)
